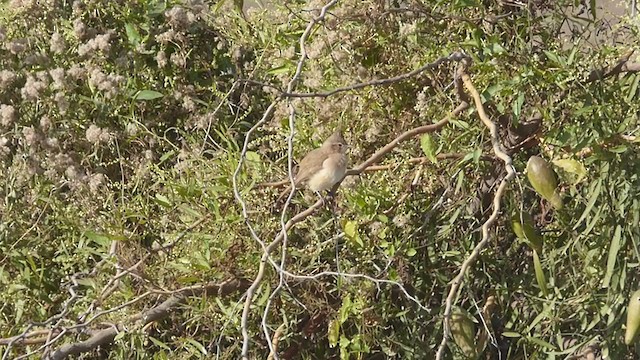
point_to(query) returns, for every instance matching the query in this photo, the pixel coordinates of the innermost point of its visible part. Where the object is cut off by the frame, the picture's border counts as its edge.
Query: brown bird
(323, 167)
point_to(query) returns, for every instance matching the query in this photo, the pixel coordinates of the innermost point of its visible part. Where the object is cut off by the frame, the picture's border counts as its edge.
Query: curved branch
(106, 336)
(497, 149)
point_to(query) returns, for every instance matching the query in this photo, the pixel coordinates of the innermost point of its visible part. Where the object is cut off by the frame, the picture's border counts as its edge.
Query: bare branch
(456, 56)
(497, 149)
(413, 161)
(106, 336)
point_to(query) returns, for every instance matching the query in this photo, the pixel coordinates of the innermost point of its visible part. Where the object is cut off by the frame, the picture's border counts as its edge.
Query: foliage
(122, 124)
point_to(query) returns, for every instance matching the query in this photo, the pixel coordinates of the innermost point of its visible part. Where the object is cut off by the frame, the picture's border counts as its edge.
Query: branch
(416, 160)
(456, 57)
(106, 336)
(497, 149)
(622, 66)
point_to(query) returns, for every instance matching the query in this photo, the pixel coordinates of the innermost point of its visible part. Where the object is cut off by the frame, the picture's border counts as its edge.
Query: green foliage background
(122, 123)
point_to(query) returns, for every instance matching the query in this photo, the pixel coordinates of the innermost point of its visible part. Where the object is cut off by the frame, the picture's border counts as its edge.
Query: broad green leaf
(573, 167)
(619, 149)
(633, 318)
(428, 147)
(544, 181)
(411, 252)
(351, 229)
(132, 34)
(147, 95)
(98, 238)
(614, 248)
(345, 308)
(463, 332)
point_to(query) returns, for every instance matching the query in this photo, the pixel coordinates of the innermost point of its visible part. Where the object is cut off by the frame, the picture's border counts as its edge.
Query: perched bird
(323, 167)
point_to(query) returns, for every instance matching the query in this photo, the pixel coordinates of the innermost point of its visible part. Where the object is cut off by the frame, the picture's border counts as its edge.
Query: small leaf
(253, 156)
(147, 95)
(541, 342)
(517, 107)
(511, 334)
(411, 252)
(351, 229)
(163, 200)
(334, 333)
(279, 70)
(554, 57)
(428, 147)
(98, 238)
(618, 149)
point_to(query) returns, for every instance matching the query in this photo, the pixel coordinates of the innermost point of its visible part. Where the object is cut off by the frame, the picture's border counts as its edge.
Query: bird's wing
(309, 165)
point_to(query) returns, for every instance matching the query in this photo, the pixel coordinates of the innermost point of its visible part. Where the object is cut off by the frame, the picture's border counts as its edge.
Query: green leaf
(517, 107)
(590, 203)
(252, 156)
(159, 343)
(540, 278)
(541, 342)
(411, 252)
(132, 34)
(428, 147)
(543, 179)
(351, 229)
(98, 238)
(618, 149)
(345, 308)
(333, 333)
(554, 57)
(147, 95)
(163, 200)
(573, 167)
(511, 334)
(614, 248)
(279, 70)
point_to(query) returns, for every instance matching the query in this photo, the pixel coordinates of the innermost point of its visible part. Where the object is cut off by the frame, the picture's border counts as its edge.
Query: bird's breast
(326, 178)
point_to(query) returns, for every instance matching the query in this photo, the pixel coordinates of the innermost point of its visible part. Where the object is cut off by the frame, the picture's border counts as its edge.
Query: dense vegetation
(139, 143)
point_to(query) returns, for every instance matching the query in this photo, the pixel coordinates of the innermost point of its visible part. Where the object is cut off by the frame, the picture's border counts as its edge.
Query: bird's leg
(330, 200)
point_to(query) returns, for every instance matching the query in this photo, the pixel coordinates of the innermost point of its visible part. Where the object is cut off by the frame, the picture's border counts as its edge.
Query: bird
(323, 167)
